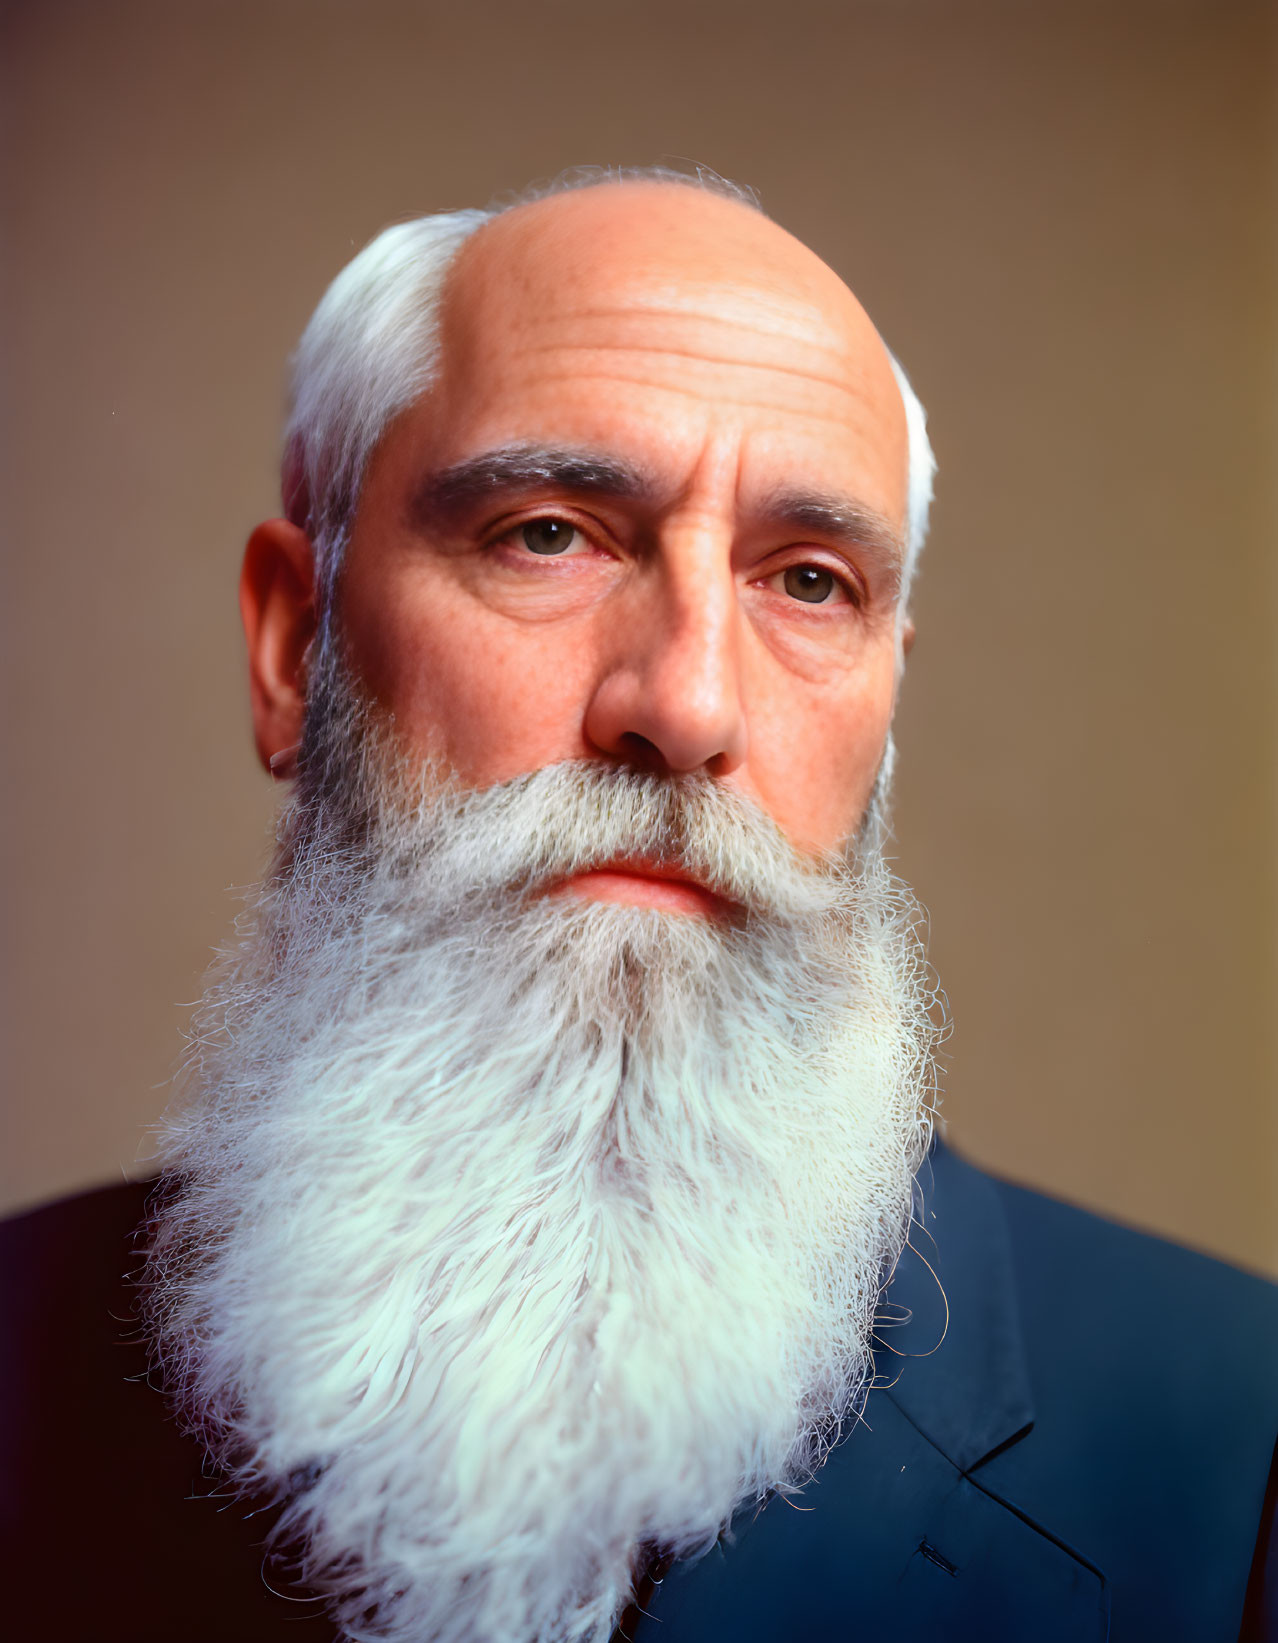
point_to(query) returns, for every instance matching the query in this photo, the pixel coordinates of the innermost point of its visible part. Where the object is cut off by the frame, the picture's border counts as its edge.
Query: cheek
(816, 755)
(490, 699)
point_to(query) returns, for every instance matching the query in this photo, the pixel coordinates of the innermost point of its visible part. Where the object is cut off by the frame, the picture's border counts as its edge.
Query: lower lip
(642, 890)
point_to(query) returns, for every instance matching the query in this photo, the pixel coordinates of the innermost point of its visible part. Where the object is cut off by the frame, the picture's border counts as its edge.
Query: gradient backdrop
(1062, 217)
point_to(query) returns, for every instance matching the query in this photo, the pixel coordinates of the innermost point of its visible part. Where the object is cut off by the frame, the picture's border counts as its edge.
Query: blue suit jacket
(1087, 1448)
(1082, 1456)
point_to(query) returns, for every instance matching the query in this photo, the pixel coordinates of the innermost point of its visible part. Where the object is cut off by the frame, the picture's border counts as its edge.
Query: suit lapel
(950, 1354)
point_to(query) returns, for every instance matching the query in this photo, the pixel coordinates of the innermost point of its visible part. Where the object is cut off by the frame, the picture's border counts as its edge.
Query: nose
(669, 696)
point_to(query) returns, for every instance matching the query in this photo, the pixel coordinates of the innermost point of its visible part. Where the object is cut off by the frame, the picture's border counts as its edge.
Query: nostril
(723, 764)
(639, 751)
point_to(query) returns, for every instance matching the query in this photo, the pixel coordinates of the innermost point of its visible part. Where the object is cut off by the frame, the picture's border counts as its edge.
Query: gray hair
(372, 345)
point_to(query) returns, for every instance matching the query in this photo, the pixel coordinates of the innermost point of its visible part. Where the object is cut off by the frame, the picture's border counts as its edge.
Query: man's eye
(549, 536)
(813, 584)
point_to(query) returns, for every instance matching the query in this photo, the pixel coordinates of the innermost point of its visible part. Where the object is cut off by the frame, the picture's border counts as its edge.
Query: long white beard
(509, 1235)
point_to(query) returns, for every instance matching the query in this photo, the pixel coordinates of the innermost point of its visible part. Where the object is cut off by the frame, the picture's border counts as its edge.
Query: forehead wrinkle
(797, 407)
(759, 311)
(725, 362)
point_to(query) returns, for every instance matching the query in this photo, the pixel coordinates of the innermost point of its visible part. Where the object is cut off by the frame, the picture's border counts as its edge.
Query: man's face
(650, 514)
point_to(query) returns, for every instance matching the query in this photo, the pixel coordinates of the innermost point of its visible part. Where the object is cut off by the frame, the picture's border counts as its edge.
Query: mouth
(648, 884)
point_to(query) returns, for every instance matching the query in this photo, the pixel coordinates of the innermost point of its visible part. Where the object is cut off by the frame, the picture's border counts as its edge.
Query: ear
(277, 606)
(907, 636)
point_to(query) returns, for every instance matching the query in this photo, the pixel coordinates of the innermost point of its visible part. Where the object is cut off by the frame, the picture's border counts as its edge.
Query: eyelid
(596, 535)
(849, 579)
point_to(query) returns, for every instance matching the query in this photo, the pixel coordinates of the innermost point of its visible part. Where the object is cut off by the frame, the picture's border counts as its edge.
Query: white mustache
(526, 834)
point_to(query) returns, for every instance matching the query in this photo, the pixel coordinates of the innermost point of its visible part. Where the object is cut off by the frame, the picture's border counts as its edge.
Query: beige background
(1062, 218)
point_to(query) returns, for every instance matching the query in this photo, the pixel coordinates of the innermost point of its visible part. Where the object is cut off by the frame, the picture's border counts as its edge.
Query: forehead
(663, 324)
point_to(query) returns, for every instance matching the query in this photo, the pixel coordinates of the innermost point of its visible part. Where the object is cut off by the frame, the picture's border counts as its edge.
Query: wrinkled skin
(730, 608)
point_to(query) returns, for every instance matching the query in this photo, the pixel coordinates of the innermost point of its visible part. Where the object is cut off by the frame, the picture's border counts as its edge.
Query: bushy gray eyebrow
(839, 520)
(452, 491)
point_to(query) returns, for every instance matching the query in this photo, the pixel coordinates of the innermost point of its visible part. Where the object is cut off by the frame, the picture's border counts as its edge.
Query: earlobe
(277, 606)
(907, 636)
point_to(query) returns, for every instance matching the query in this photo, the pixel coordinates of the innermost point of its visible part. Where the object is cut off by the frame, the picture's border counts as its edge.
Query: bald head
(668, 288)
(612, 255)
(662, 245)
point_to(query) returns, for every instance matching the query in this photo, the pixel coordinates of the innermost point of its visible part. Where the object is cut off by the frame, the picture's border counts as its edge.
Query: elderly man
(555, 1126)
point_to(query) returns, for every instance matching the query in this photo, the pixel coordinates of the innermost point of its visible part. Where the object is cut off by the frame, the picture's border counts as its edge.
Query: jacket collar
(950, 1354)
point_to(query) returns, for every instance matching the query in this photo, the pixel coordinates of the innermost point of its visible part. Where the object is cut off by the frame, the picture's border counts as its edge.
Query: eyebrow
(840, 520)
(451, 492)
